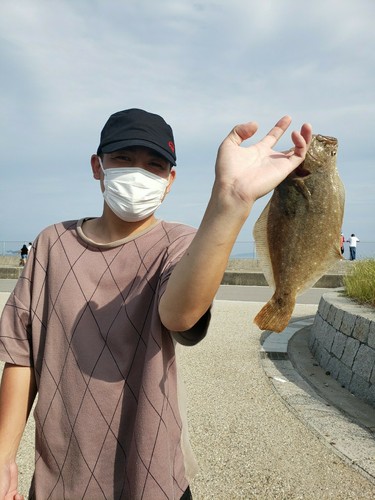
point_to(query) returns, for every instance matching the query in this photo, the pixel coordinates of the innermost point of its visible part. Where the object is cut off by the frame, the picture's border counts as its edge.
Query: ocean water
(247, 250)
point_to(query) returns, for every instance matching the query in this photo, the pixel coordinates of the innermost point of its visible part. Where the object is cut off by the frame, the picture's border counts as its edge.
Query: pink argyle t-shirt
(85, 316)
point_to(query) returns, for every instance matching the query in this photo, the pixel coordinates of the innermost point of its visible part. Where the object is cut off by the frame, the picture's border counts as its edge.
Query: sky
(205, 66)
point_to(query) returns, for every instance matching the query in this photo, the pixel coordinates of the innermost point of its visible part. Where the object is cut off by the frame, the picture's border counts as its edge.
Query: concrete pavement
(263, 294)
(258, 427)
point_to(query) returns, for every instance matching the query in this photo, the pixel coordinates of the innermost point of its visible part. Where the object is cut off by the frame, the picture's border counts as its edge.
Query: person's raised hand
(248, 173)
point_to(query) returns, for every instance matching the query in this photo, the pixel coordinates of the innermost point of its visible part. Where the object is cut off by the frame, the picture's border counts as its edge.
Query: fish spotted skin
(297, 236)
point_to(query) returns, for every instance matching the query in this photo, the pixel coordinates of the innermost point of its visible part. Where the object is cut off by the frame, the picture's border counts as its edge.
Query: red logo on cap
(171, 146)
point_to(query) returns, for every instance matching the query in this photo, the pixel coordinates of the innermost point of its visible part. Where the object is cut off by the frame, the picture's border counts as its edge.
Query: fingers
(306, 132)
(302, 140)
(12, 495)
(277, 131)
(242, 132)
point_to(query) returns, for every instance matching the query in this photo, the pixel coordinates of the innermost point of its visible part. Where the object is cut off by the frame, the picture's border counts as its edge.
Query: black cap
(135, 127)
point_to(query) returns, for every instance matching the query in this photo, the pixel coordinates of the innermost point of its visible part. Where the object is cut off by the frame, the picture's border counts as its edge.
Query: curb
(344, 423)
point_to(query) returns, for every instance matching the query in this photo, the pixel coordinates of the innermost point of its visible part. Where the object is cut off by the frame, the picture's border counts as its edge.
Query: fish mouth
(326, 139)
(322, 143)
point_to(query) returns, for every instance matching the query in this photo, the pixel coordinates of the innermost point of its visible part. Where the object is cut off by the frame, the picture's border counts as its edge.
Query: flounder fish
(297, 236)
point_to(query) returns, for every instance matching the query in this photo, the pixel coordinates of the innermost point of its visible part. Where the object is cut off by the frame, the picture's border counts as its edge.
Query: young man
(92, 323)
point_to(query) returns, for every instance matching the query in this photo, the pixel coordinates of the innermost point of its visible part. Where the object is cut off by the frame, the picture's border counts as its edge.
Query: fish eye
(333, 153)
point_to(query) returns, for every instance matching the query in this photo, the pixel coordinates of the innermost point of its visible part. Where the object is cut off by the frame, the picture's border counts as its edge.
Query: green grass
(359, 283)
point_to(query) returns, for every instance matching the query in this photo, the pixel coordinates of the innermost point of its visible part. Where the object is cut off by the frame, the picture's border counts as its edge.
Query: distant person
(353, 240)
(93, 324)
(29, 247)
(24, 253)
(342, 241)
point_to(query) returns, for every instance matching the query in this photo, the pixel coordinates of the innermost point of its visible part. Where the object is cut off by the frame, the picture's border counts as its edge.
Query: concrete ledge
(245, 272)
(10, 272)
(257, 279)
(342, 340)
(243, 277)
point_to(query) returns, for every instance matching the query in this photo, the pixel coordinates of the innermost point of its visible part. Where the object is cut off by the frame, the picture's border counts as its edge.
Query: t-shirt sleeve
(196, 333)
(176, 250)
(15, 338)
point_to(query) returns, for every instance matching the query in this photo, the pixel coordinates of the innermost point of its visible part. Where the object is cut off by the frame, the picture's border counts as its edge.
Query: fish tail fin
(275, 315)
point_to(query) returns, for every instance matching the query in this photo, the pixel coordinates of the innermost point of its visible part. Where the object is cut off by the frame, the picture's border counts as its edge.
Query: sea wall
(248, 272)
(245, 272)
(342, 340)
(249, 278)
(9, 267)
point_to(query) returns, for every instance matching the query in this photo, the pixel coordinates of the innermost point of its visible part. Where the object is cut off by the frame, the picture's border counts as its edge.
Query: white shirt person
(353, 246)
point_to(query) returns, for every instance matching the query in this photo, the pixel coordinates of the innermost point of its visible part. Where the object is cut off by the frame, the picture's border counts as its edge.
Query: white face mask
(132, 193)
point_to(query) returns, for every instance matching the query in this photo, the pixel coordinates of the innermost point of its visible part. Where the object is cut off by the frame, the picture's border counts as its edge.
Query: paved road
(249, 441)
(7, 285)
(263, 294)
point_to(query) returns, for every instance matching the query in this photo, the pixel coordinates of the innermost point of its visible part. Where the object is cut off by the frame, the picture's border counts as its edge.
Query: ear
(95, 166)
(172, 176)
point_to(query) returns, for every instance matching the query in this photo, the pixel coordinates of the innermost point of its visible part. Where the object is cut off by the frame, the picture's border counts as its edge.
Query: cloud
(205, 66)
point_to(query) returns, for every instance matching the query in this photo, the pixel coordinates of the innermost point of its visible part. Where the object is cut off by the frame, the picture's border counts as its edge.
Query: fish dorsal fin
(262, 247)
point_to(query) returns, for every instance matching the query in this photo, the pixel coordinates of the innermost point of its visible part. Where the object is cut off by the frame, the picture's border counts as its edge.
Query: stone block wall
(342, 340)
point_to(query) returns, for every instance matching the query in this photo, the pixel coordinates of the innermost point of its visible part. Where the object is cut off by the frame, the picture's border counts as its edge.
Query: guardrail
(241, 249)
